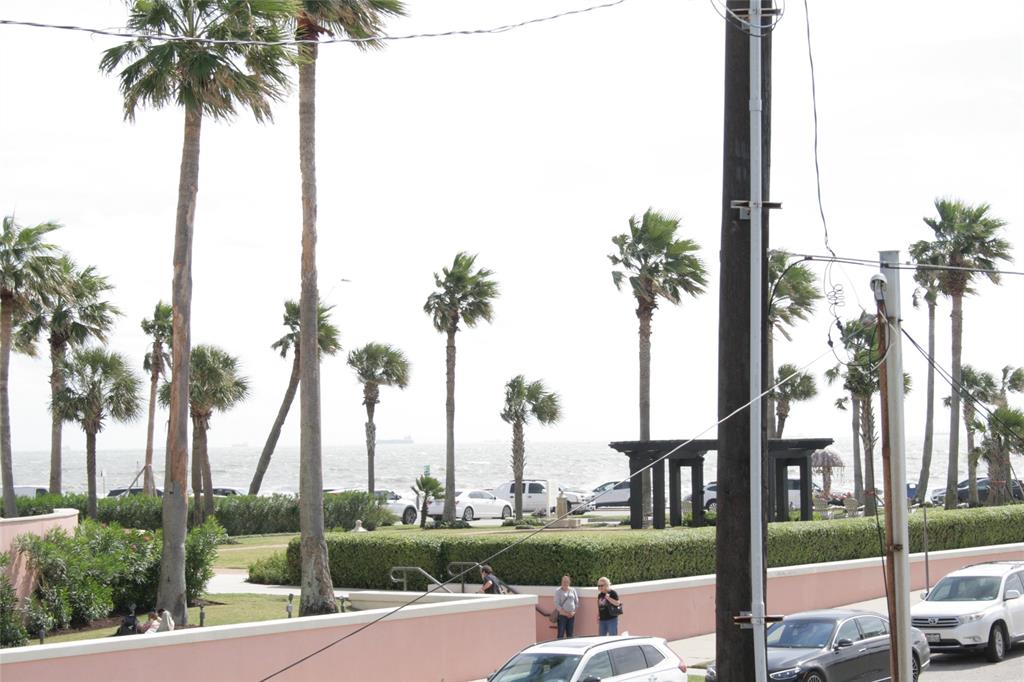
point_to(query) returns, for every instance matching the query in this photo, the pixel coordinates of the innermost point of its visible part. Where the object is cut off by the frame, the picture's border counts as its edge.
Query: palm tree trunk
(56, 423)
(518, 465)
(6, 465)
(171, 589)
(999, 478)
(148, 480)
(317, 591)
(783, 413)
(90, 473)
(868, 436)
(370, 392)
(449, 410)
(774, 429)
(204, 458)
(198, 436)
(275, 430)
(858, 475)
(645, 313)
(952, 471)
(929, 415)
(972, 458)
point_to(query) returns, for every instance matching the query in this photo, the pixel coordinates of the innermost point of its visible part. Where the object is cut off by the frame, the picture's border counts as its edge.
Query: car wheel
(814, 676)
(996, 649)
(711, 506)
(467, 515)
(409, 516)
(506, 512)
(915, 668)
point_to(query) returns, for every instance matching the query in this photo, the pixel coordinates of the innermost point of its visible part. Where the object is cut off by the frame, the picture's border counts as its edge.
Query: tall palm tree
(98, 385)
(656, 265)
(206, 79)
(362, 19)
(965, 237)
(26, 264)
(156, 362)
(525, 400)
(73, 315)
(215, 383)
(463, 295)
(328, 343)
(376, 365)
(801, 387)
(1005, 437)
(975, 387)
(927, 281)
(791, 298)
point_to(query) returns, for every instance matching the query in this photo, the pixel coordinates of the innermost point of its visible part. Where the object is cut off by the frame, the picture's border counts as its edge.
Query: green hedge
(238, 514)
(362, 560)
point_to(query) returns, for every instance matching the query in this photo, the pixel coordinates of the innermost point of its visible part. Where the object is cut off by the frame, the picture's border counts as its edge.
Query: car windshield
(965, 588)
(538, 667)
(800, 634)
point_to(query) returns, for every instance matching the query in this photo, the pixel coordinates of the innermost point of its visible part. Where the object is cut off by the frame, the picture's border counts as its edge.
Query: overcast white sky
(531, 148)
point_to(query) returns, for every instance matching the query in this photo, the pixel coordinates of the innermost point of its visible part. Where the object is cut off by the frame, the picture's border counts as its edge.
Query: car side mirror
(924, 595)
(843, 643)
(1012, 594)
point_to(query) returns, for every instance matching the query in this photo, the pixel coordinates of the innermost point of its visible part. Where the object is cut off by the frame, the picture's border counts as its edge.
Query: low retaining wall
(684, 607)
(461, 637)
(21, 577)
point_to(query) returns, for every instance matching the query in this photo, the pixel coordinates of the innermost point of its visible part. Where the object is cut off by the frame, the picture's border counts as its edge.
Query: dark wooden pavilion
(782, 454)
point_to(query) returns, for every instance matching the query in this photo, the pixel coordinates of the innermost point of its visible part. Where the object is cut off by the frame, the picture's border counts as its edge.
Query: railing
(461, 569)
(400, 574)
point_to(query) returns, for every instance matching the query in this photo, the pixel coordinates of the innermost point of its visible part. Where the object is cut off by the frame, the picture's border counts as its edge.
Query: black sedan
(833, 645)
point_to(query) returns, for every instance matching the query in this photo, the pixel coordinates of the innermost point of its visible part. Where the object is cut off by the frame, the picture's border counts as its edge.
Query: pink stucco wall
(449, 641)
(21, 577)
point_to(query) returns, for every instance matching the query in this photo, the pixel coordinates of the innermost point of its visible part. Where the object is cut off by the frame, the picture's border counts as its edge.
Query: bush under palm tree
(376, 365)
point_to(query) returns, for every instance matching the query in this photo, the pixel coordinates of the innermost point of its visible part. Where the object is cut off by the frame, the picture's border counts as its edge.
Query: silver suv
(976, 608)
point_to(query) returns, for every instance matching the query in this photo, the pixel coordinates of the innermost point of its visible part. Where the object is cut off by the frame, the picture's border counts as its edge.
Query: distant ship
(395, 441)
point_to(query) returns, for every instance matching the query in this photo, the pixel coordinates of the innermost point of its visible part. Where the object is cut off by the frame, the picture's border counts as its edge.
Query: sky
(531, 148)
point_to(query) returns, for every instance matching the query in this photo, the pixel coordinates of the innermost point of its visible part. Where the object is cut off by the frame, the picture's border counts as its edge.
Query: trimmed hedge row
(362, 560)
(238, 514)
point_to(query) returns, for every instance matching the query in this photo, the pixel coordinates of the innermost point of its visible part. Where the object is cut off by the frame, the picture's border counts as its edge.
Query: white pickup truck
(541, 497)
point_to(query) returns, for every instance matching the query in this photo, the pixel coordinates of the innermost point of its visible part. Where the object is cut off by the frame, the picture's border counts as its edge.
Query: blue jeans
(565, 626)
(608, 627)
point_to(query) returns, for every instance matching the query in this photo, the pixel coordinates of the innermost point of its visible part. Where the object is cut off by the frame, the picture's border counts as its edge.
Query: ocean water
(580, 465)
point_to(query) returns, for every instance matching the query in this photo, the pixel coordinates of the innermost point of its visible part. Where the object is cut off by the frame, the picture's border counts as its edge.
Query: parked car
(612, 494)
(227, 491)
(30, 490)
(134, 490)
(839, 645)
(541, 497)
(976, 608)
(710, 497)
(474, 504)
(963, 492)
(401, 506)
(590, 659)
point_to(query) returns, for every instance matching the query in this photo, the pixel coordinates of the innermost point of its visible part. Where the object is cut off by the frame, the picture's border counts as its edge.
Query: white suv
(591, 659)
(975, 608)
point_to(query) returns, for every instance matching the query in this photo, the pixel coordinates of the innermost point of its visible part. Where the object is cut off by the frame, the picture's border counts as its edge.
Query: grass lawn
(230, 608)
(247, 549)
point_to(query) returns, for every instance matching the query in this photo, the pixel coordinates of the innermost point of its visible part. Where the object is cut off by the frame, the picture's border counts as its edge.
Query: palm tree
(800, 387)
(361, 19)
(966, 237)
(73, 315)
(928, 282)
(656, 265)
(206, 79)
(328, 344)
(1005, 437)
(156, 362)
(376, 365)
(214, 384)
(98, 384)
(463, 295)
(26, 263)
(523, 401)
(975, 387)
(792, 295)
(427, 488)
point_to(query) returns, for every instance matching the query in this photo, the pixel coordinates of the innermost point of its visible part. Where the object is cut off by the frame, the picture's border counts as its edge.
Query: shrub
(12, 632)
(341, 510)
(363, 560)
(130, 511)
(200, 553)
(254, 515)
(272, 570)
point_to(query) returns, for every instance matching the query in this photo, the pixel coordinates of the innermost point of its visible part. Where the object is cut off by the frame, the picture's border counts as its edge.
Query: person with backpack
(609, 608)
(492, 584)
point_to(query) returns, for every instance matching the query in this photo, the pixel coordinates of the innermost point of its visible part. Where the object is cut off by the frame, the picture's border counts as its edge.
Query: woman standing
(608, 608)
(567, 602)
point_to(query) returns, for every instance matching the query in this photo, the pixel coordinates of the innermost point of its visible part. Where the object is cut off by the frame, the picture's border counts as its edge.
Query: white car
(975, 608)
(612, 494)
(581, 659)
(474, 504)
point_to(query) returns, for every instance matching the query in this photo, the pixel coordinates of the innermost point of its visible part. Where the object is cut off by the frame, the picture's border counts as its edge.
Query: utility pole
(886, 288)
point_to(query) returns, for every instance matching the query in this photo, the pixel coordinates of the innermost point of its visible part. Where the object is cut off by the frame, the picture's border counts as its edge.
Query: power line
(533, 534)
(906, 265)
(163, 37)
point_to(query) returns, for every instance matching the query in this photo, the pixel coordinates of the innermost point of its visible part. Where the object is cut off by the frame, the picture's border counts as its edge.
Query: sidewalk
(698, 651)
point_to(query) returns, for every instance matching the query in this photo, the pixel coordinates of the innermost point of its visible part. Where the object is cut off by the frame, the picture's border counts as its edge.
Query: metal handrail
(459, 568)
(404, 579)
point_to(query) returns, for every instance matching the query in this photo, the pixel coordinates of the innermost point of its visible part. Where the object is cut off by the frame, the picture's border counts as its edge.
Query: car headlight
(972, 617)
(787, 674)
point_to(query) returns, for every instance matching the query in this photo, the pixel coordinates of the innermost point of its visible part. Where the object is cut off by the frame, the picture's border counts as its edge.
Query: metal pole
(896, 506)
(756, 247)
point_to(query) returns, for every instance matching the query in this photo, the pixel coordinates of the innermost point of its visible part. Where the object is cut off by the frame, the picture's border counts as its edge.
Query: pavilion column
(658, 495)
(780, 494)
(697, 491)
(806, 508)
(675, 508)
(636, 509)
